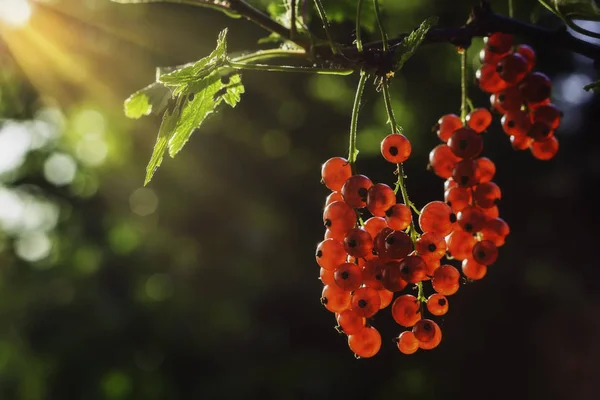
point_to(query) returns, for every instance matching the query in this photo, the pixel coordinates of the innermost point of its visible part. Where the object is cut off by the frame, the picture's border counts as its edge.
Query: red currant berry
(398, 217)
(479, 119)
(335, 172)
(339, 217)
(380, 198)
(365, 301)
(446, 126)
(437, 217)
(437, 304)
(366, 342)
(350, 322)
(348, 277)
(485, 252)
(396, 148)
(545, 149)
(442, 160)
(407, 343)
(330, 254)
(406, 310)
(355, 191)
(465, 143)
(446, 280)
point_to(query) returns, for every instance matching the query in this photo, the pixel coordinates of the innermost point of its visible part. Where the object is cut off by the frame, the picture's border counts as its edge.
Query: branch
(484, 22)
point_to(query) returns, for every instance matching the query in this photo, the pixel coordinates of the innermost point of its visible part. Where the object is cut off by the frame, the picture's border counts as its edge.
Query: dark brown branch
(484, 22)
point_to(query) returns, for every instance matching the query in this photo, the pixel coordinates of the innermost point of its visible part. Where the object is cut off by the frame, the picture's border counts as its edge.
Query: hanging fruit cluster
(520, 94)
(376, 248)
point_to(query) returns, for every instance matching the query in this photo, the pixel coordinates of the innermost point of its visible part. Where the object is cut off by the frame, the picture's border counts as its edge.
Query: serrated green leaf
(411, 43)
(150, 100)
(202, 99)
(201, 68)
(169, 122)
(594, 87)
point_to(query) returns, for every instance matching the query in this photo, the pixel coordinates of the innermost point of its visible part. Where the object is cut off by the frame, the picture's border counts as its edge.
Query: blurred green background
(203, 285)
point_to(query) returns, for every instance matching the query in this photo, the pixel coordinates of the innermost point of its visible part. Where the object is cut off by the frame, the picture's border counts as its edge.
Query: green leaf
(410, 43)
(199, 88)
(150, 100)
(594, 87)
(202, 99)
(169, 122)
(201, 68)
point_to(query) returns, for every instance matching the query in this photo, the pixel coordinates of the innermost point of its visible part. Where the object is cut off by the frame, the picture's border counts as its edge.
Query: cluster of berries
(366, 266)
(521, 95)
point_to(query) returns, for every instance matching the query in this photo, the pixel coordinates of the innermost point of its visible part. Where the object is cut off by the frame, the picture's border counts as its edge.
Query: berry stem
(353, 151)
(270, 54)
(325, 22)
(288, 68)
(463, 85)
(359, 44)
(384, 40)
(399, 167)
(293, 30)
(511, 9)
(420, 295)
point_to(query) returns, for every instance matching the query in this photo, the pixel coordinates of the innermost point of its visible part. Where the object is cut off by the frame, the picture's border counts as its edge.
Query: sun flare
(15, 13)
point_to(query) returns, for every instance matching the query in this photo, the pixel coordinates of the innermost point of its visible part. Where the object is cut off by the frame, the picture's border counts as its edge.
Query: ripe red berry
(473, 270)
(365, 301)
(460, 244)
(512, 68)
(442, 160)
(339, 217)
(486, 169)
(507, 100)
(548, 113)
(458, 198)
(366, 342)
(446, 280)
(380, 198)
(545, 149)
(516, 123)
(465, 173)
(413, 269)
(433, 343)
(489, 79)
(333, 196)
(487, 194)
(396, 148)
(424, 330)
(471, 219)
(355, 190)
(431, 245)
(521, 142)
(437, 217)
(407, 343)
(326, 276)
(495, 230)
(479, 119)
(437, 304)
(386, 298)
(535, 87)
(406, 310)
(528, 53)
(391, 277)
(540, 130)
(335, 299)
(372, 273)
(358, 242)
(485, 252)
(398, 217)
(398, 245)
(348, 277)
(446, 126)
(350, 322)
(499, 42)
(465, 143)
(335, 172)
(374, 225)
(330, 254)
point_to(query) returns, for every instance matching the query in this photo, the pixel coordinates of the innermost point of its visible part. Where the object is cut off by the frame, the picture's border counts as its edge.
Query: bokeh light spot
(60, 169)
(159, 287)
(143, 201)
(33, 247)
(275, 144)
(116, 385)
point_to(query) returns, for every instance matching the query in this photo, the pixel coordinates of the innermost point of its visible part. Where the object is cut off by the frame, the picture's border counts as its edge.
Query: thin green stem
(463, 85)
(359, 43)
(325, 20)
(384, 40)
(470, 104)
(288, 68)
(420, 295)
(293, 31)
(387, 99)
(511, 9)
(262, 55)
(353, 151)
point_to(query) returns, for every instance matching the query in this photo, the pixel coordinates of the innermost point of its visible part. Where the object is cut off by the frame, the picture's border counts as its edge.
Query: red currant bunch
(520, 94)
